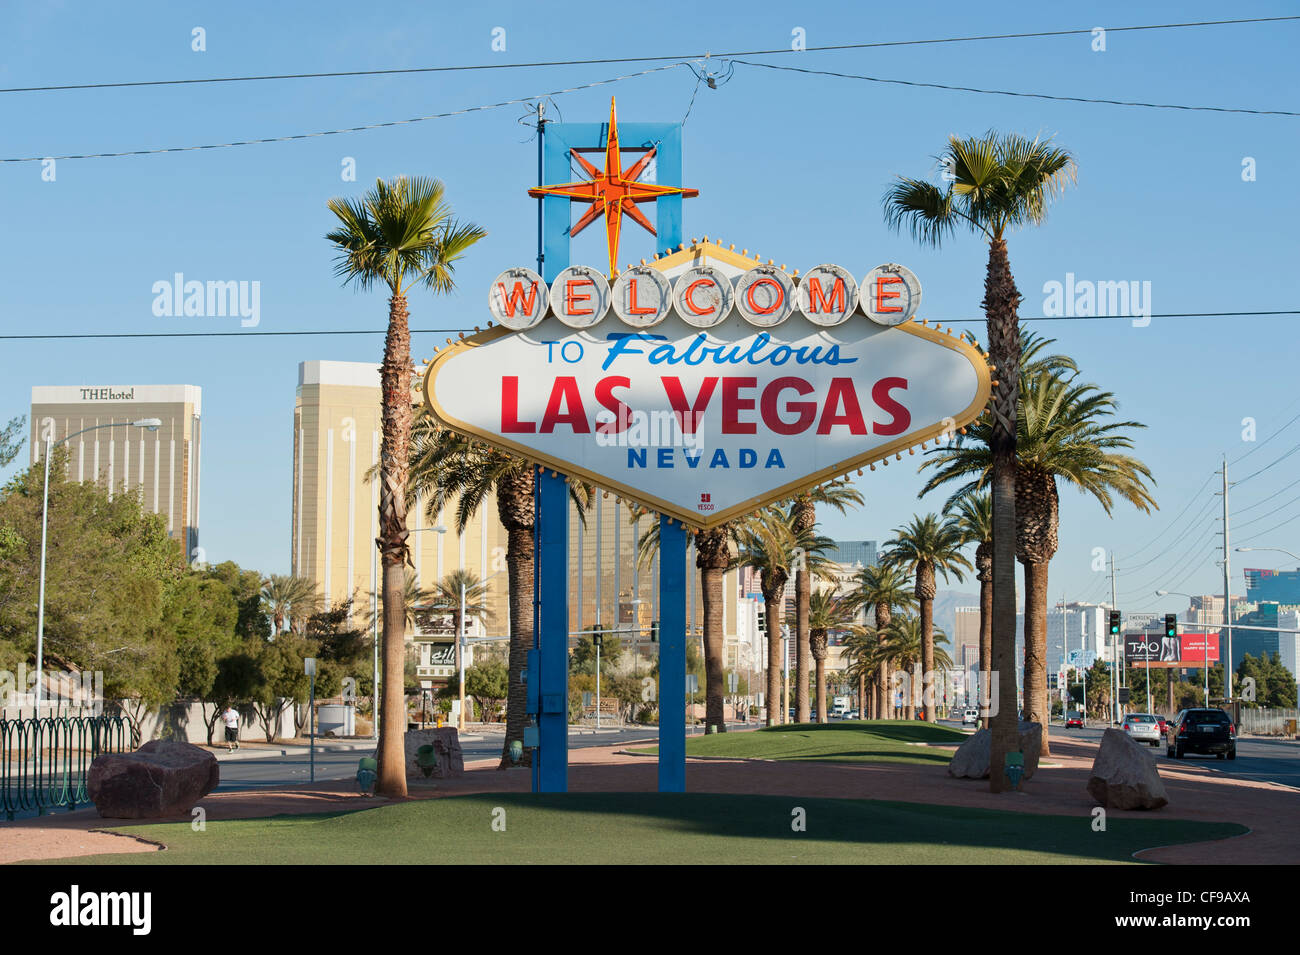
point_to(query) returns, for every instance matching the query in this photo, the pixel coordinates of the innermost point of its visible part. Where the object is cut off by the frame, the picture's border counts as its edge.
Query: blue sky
(787, 164)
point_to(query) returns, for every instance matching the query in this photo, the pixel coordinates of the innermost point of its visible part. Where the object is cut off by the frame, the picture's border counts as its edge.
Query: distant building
(853, 553)
(161, 466)
(1274, 586)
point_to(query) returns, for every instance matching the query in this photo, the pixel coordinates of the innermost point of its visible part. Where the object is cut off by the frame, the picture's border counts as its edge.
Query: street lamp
(1280, 550)
(151, 424)
(1205, 646)
(460, 649)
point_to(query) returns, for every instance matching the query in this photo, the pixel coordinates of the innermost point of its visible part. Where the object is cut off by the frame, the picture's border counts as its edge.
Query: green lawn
(841, 741)
(661, 828)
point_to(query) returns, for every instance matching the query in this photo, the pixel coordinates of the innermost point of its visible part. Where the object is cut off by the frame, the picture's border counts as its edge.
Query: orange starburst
(613, 192)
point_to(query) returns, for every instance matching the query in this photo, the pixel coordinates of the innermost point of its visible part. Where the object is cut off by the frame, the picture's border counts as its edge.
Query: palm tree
(399, 234)
(927, 547)
(827, 611)
(860, 647)
(448, 467)
(1065, 432)
(903, 645)
(287, 597)
(839, 494)
(713, 557)
(996, 184)
(881, 589)
(974, 516)
(769, 542)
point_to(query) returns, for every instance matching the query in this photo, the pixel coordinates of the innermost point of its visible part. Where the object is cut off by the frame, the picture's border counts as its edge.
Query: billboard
(704, 385)
(1186, 649)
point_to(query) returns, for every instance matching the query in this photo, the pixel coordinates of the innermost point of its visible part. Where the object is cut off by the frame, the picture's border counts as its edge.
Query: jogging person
(231, 718)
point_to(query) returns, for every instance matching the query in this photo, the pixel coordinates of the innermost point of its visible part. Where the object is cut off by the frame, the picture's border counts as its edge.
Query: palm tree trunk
(1001, 299)
(1036, 704)
(516, 509)
(772, 608)
(805, 519)
(714, 671)
(862, 697)
(928, 677)
(394, 456)
(986, 635)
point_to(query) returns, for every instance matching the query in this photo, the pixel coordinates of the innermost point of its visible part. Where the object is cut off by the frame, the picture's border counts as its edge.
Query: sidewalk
(302, 747)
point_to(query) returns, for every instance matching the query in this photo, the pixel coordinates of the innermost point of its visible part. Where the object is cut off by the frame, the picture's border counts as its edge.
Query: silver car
(1143, 728)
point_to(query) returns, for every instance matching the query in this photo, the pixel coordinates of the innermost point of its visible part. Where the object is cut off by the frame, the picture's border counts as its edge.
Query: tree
(772, 543)
(929, 546)
(995, 184)
(487, 683)
(973, 513)
(839, 494)
(450, 468)
(904, 646)
(827, 612)
(883, 588)
(582, 659)
(281, 679)
(288, 597)
(400, 234)
(1065, 432)
(11, 439)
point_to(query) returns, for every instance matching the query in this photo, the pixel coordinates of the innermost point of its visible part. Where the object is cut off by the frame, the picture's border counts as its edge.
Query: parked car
(1073, 719)
(1142, 728)
(970, 716)
(1201, 731)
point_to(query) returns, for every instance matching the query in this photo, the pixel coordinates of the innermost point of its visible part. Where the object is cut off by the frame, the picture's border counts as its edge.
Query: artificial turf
(889, 741)
(691, 828)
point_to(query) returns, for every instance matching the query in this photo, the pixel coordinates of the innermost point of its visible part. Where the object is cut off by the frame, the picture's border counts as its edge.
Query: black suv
(1201, 731)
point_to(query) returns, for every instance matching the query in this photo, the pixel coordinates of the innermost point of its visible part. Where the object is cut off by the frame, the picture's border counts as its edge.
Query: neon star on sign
(613, 191)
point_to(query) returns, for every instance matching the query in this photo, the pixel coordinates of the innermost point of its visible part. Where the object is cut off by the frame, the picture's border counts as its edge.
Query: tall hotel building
(336, 437)
(161, 466)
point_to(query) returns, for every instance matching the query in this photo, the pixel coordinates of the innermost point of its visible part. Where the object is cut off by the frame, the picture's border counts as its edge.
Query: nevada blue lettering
(663, 458)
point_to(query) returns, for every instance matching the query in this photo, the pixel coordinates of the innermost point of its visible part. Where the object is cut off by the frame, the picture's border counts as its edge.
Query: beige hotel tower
(161, 466)
(336, 436)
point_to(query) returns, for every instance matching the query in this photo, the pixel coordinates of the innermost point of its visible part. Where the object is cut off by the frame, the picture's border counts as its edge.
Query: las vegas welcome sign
(704, 384)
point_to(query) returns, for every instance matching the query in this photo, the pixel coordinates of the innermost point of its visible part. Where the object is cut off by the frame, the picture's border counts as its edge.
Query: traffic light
(762, 620)
(1051, 681)
(598, 639)
(1171, 625)
(1114, 623)
(654, 631)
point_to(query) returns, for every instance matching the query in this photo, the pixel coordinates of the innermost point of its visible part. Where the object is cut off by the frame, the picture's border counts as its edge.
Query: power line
(1016, 93)
(1275, 461)
(1243, 456)
(1170, 526)
(1251, 507)
(636, 59)
(380, 331)
(349, 129)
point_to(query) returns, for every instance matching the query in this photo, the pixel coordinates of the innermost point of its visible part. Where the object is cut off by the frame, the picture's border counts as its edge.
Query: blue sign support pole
(552, 560)
(672, 656)
(552, 550)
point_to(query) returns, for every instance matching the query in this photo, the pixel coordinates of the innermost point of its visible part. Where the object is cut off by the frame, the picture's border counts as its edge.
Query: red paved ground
(1195, 792)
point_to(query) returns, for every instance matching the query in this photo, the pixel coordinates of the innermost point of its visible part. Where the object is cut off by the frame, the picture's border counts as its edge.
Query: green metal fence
(44, 762)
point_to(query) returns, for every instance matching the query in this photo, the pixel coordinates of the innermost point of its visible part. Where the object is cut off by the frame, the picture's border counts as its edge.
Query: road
(238, 774)
(1258, 759)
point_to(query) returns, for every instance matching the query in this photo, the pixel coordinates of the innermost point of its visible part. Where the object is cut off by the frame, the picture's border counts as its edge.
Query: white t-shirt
(231, 716)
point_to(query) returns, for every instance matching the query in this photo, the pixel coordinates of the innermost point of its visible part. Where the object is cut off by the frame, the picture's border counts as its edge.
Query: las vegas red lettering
(778, 406)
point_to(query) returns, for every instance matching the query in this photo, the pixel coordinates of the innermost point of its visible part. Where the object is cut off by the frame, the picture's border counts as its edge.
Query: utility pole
(1114, 656)
(1227, 591)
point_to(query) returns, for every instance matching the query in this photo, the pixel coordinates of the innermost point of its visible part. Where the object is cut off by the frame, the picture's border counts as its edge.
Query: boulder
(446, 744)
(162, 778)
(971, 761)
(1124, 775)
